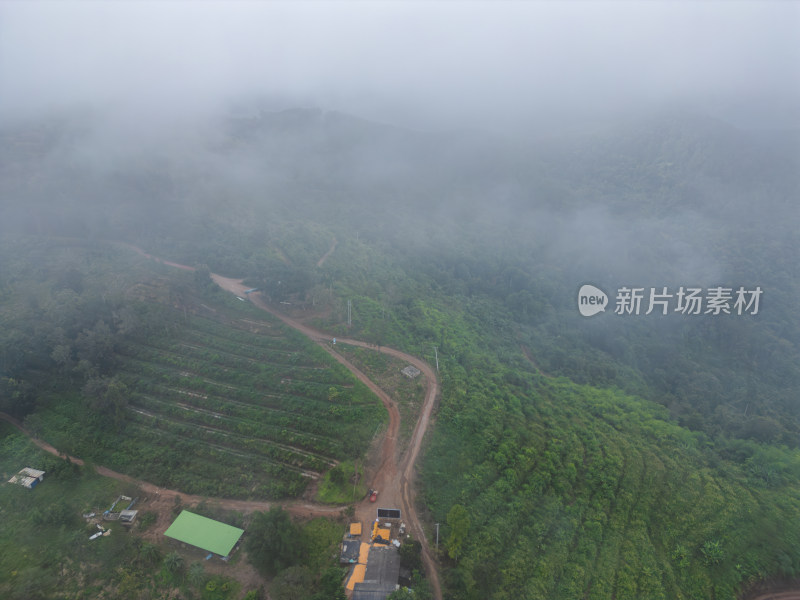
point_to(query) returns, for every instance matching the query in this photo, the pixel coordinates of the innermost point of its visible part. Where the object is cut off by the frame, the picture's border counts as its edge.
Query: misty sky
(482, 63)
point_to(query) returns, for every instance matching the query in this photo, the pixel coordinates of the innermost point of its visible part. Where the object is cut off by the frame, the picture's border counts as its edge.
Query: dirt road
(299, 508)
(325, 256)
(394, 477)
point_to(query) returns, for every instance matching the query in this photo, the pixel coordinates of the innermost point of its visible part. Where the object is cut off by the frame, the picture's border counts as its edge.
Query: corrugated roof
(355, 528)
(384, 565)
(350, 551)
(205, 533)
(27, 477)
(372, 591)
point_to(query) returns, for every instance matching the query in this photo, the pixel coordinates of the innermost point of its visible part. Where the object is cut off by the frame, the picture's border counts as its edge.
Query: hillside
(638, 456)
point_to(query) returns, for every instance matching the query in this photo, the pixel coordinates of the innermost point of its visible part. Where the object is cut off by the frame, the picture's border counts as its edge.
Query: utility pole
(355, 479)
(349, 313)
(436, 352)
(437, 538)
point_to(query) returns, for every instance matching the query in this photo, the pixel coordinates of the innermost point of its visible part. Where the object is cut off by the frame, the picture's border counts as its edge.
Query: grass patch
(385, 371)
(336, 486)
(45, 550)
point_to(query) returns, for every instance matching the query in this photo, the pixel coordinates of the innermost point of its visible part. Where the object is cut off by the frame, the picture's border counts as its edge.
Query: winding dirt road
(394, 490)
(159, 494)
(325, 256)
(791, 595)
(394, 477)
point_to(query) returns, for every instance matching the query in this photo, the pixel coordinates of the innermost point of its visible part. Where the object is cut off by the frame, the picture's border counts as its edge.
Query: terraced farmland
(244, 409)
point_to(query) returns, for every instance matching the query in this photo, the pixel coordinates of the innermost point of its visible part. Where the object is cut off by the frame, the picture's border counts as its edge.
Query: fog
(497, 65)
(495, 114)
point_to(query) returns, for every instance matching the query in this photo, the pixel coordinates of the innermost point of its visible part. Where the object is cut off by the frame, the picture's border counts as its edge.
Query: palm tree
(173, 562)
(149, 553)
(197, 575)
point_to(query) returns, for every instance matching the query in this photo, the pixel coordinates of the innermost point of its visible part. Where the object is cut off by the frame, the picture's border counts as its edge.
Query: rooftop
(410, 371)
(383, 566)
(350, 551)
(205, 533)
(27, 477)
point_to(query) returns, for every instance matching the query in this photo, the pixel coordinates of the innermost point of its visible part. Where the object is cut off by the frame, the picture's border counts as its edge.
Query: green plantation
(577, 492)
(603, 458)
(157, 373)
(243, 409)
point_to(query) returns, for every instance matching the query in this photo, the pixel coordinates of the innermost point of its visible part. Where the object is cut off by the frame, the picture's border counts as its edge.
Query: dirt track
(394, 477)
(395, 491)
(325, 256)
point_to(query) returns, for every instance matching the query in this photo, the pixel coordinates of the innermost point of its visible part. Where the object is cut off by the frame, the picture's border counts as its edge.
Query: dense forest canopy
(582, 216)
(677, 200)
(628, 448)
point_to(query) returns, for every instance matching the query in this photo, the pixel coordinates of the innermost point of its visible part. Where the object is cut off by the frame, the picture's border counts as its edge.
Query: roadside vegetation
(386, 372)
(343, 484)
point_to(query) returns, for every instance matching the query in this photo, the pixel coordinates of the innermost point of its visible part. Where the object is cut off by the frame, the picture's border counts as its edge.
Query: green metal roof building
(205, 533)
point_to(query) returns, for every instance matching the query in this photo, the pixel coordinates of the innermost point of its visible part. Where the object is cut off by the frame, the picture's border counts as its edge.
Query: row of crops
(245, 408)
(605, 497)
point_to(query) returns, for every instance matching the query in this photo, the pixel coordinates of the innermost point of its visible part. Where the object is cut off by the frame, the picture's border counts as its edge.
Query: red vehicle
(373, 495)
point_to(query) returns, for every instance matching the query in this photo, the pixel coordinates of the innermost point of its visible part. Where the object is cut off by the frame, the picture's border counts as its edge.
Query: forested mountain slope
(617, 456)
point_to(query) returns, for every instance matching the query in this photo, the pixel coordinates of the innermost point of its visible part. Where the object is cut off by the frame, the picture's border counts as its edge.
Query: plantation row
(182, 462)
(605, 498)
(261, 416)
(206, 376)
(222, 441)
(301, 413)
(290, 415)
(270, 336)
(217, 364)
(244, 343)
(231, 432)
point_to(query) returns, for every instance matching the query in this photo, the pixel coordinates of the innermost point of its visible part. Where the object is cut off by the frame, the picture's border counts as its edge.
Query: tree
(202, 276)
(173, 563)
(402, 594)
(411, 555)
(337, 475)
(273, 541)
(330, 585)
(420, 586)
(96, 345)
(197, 574)
(458, 522)
(149, 553)
(292, 584)
(108, 398)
